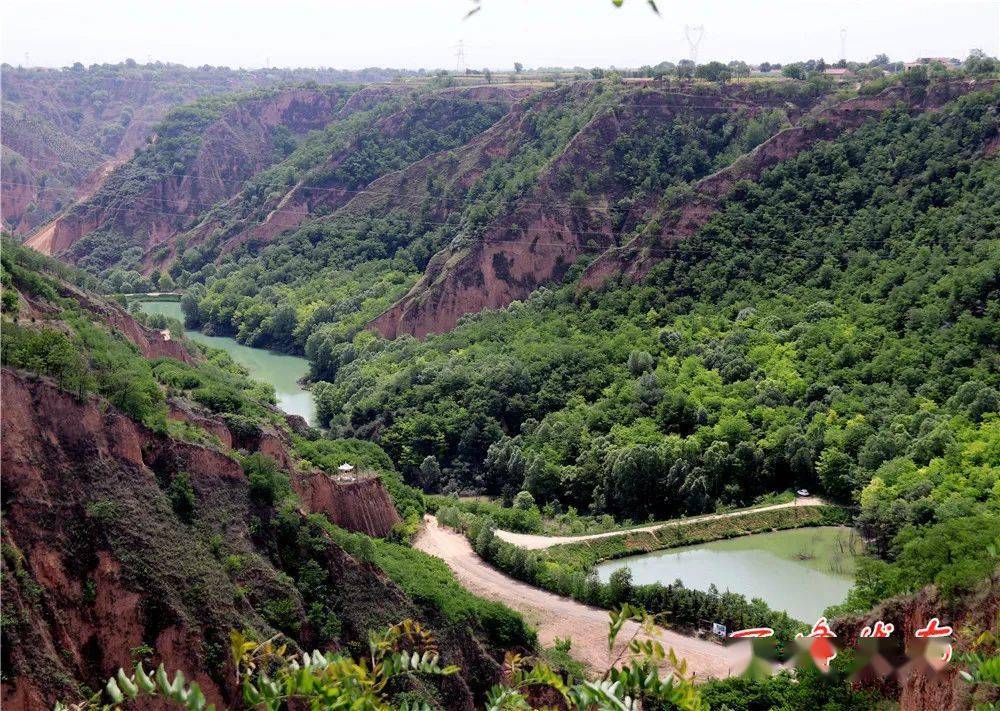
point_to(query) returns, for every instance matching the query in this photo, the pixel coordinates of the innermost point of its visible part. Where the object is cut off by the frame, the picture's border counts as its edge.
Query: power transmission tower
(694, 35)
(460, 56)
(843, 44)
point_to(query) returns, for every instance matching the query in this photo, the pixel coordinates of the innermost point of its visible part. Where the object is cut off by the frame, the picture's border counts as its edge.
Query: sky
(351, 34)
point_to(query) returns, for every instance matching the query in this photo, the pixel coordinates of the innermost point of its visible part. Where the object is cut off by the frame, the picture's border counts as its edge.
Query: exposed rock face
(66, 130)
(537, 240)
(55, 450)
(233, 148)
(96, 566)
(920, 689)
(325, 197)
(151, 343)
(685, 217)
(357, 503)
(542, 235)
(185, 412)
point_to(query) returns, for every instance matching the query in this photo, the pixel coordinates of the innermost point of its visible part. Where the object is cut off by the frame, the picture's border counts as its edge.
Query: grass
(428, 581)
(570, 523)
(586, 554)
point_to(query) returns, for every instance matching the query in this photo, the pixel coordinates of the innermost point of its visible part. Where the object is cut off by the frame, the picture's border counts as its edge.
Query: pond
(801, 571)
(280, 370)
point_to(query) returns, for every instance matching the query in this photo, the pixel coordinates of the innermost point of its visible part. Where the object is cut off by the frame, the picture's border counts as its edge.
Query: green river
(801, 571)
(280, 370)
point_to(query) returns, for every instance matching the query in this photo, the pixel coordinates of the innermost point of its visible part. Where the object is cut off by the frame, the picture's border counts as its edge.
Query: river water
(280, 370)
(801, 571)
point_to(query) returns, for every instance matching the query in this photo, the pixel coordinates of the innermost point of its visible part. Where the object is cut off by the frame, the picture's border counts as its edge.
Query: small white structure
(345, 468)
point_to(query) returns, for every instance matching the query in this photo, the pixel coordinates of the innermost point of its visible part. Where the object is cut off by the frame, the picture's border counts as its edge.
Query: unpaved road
(556, 616)
(535, 542)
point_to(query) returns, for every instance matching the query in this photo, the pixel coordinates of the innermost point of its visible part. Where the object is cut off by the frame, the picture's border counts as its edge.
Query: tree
(182, 497)
(524, 501)
(639, 362)
(740, 70)
(430, 474)
(485, 539)
(619, 590)
(328, 405)
(191, 306)
(648, 390)
(518, 67)
(282, 324)
(165, 282)
(835, 470)
(488, 75)
(713, 71)
(978, 62)
(795, 70)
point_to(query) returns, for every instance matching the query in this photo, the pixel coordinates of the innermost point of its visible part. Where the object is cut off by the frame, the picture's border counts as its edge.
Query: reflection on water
(281, 371)
(801, 571)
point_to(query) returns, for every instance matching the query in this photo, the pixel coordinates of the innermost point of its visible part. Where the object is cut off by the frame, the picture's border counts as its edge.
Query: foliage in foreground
(271, 676)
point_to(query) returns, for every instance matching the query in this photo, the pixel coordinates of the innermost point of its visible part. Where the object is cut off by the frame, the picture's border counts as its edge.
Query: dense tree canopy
(833, 327)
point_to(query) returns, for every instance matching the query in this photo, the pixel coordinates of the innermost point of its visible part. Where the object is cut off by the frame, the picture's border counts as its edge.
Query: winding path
(556, 616)
(535, 542)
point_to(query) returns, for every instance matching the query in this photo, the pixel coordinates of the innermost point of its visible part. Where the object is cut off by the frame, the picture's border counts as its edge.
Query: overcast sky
(424, 33)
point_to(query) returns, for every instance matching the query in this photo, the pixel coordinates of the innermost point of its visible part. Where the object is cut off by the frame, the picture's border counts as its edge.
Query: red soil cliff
(232, 149)
(916, 687)
(684, 218)
(98, 571)
(540, 237)
(356, 503)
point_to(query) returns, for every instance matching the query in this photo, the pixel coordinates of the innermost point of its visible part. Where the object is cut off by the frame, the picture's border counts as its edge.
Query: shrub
(218, 398)
(268, 484)
(182, 497)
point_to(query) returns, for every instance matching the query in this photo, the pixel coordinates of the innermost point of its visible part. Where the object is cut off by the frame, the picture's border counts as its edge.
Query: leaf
(129, 687)
(114, 692)
(161, 679)
(142, 680)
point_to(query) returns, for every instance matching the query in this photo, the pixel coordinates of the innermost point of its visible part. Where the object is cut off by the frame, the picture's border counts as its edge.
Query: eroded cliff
(103, 567)
(197, 157)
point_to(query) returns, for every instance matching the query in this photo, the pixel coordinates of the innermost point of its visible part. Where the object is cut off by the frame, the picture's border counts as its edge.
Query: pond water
(801, 571)
(280, 370)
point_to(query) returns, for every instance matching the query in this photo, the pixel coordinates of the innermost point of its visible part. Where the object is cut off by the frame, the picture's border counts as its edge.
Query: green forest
(833, 327)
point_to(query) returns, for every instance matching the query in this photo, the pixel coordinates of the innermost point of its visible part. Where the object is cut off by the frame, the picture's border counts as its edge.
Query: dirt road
(535, 542)
(556, 616)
